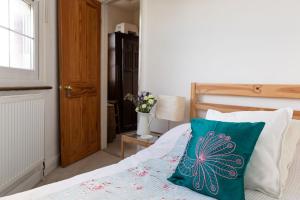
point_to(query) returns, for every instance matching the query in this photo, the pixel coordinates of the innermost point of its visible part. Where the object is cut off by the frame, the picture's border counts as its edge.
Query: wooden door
(79, 70)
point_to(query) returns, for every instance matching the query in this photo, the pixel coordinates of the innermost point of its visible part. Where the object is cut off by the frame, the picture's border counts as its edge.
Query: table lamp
(170, 108)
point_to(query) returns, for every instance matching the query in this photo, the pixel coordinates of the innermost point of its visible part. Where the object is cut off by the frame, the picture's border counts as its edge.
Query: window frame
(15, 76)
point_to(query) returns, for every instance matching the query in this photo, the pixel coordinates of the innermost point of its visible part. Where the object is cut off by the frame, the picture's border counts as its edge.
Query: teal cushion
(216, 157)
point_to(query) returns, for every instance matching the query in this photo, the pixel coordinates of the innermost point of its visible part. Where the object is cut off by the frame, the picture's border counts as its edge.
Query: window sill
(24, 88)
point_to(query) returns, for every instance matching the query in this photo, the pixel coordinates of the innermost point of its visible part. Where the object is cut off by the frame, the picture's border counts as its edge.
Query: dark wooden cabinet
(123, 66)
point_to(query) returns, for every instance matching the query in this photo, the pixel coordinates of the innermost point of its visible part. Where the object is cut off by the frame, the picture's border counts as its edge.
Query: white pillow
(263, 170)
(290, 141)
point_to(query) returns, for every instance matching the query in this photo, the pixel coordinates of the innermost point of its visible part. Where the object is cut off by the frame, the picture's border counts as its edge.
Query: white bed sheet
(163, 146)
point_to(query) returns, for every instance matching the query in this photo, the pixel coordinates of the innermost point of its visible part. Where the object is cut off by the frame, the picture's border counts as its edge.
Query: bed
(143, 176)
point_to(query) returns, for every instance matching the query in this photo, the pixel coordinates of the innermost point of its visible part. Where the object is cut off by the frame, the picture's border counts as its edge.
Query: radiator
(21, 137)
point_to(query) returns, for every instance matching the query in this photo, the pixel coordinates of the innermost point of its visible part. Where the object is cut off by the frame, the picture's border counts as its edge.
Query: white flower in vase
(151, 101)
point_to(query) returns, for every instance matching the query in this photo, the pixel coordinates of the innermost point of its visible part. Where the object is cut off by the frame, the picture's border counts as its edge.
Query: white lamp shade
(170, 108)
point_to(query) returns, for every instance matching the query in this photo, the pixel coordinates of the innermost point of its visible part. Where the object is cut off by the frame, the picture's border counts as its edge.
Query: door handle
(68, 88)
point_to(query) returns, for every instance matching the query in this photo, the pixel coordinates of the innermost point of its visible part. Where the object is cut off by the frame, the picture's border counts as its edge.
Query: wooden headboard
(240, 90)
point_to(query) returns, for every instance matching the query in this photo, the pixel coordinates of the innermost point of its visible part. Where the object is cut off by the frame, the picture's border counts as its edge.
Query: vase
(143, 124)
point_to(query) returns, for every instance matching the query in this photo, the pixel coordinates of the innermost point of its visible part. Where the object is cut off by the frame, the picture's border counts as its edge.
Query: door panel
(89, 120)
(71, 17)
(130, 81)
(135, 67)
(79, 59)
(92, 42)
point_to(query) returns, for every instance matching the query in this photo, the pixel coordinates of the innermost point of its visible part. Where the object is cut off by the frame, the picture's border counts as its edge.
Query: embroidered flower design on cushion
(214, 158)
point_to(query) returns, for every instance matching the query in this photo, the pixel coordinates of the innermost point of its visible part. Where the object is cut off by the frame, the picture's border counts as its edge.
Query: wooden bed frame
(240, 90)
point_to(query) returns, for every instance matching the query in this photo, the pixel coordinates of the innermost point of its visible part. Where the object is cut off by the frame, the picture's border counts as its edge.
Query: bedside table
(133, 138)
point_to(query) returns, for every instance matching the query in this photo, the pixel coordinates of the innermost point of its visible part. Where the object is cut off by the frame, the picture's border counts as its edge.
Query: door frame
(104, 63)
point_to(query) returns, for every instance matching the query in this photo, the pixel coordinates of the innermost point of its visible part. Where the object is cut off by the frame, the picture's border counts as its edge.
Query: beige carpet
(109, 156)
(95, 161)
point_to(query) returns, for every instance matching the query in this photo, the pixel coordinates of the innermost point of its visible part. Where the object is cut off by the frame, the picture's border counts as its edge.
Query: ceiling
(130, 5)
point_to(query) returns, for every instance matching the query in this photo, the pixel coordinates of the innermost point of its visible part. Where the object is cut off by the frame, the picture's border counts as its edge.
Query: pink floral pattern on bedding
(145, 181)
(93, 185)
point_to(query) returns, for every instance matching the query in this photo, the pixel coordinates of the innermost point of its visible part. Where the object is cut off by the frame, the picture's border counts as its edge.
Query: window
(18, 44)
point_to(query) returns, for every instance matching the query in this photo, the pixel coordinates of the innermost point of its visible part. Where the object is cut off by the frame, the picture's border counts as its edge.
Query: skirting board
(27, 183)
(51, 164)
(32, 179)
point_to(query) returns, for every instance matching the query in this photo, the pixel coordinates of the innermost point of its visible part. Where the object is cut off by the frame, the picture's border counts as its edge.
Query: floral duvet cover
(148, 180)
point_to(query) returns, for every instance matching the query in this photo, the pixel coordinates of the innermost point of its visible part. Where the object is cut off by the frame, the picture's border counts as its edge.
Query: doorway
(120, 33)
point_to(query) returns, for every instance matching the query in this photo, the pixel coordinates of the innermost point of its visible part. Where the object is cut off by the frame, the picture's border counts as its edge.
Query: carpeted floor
(109, 156)
(95, 161)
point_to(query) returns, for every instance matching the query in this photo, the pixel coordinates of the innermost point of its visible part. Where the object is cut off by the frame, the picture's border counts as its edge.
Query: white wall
(51, 126)
(218, 41)
(104, 73)
(48, 76)
(117, 16)
(136, 17)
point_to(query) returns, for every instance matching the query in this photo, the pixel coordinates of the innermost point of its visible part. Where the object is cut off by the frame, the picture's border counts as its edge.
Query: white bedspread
(163, 150)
